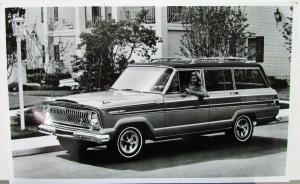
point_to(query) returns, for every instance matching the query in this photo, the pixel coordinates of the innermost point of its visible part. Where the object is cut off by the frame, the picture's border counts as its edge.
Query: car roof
(198, 64)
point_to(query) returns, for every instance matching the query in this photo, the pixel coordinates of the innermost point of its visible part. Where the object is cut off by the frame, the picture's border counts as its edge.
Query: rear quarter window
(218, 80)
(249, 79)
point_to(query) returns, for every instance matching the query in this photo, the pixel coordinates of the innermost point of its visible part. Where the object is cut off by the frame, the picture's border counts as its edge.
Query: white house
(58, 28)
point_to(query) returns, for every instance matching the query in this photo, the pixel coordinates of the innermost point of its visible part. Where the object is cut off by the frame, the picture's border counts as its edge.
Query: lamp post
(277, 15)
(18, 32)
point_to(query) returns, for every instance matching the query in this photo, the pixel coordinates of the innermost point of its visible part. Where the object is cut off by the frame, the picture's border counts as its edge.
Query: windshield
(143, 79)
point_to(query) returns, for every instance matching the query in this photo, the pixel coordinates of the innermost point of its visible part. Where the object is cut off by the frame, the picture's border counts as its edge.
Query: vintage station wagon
(151, 101)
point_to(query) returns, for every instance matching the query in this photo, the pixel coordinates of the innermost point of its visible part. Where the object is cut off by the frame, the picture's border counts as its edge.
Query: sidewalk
(35, 145)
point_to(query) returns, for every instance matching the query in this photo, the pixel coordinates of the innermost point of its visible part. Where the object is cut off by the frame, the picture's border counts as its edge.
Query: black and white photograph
(134, 92)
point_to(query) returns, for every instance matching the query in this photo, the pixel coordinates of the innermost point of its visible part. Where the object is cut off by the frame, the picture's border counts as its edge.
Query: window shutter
(260, 49)
(43, 53)
(42, 15)
(55, 13)
(56, 53)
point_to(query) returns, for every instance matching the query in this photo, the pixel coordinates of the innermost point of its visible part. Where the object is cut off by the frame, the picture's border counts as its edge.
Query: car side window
(218, 80)
(182, 80)
(249, 79)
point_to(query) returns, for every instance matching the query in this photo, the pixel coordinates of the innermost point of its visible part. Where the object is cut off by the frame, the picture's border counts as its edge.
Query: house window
(55, 13)
(256, 49)
(42, 15)
(56, 53)
(96, 14)
(92, 14)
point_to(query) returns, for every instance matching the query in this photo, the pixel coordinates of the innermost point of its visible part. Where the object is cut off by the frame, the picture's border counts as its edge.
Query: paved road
(204, 156)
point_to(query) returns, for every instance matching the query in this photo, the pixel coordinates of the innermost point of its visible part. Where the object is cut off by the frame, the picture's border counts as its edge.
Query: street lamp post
(18, 31)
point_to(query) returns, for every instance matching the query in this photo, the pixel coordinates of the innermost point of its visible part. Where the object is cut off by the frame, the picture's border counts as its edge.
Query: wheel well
(252, 116)
(144, 128)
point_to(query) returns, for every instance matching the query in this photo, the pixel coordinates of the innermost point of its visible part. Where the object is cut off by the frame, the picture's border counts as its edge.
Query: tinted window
(218, 80)
(248, 79)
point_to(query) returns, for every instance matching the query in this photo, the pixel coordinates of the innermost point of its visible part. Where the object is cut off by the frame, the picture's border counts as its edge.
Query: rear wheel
(128, 143)
(242, 129)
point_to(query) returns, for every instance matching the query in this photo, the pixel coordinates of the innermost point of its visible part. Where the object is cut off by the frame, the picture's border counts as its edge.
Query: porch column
(103, 12)
(46, 40)
(115, 13)
(77, 30)
(161, 22)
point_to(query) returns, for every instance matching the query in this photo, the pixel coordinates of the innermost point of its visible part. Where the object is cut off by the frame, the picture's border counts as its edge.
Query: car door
(223, 97)
(184, 113)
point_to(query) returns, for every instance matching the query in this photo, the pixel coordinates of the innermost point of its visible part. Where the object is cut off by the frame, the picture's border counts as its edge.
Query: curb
(34, 151)
(35, 145)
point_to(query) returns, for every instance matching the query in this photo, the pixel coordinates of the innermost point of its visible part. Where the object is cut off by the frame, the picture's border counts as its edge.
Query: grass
(32, 98)
(30, 131)
(33, 118)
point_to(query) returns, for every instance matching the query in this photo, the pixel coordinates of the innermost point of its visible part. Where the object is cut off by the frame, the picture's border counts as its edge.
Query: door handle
(234, 93)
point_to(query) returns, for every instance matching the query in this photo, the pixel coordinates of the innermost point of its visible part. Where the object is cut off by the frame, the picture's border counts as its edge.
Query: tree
(287, 32)
(11, 45)
(214, 31)
(109, 48)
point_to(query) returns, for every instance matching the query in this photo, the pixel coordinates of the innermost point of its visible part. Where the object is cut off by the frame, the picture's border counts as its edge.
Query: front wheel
(128, 143)
(242, 129)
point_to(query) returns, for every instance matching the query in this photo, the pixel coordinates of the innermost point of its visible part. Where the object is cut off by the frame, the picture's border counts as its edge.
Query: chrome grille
(64, 115)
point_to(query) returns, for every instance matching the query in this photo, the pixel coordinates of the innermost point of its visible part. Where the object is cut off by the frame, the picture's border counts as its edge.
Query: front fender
(130, 120)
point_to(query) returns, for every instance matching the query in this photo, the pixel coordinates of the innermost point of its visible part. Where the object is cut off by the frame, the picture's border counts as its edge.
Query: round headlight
(94, 120)
(48, 119)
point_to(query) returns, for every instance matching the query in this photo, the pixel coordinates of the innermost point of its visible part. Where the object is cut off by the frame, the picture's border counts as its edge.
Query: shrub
(33, 116)
(53, 79)
(278, 83)
(35, 78)
(35, 71)
(13, 87)
(109, 47)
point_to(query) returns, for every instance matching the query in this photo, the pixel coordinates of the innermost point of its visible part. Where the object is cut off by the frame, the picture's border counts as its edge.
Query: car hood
(111, 98)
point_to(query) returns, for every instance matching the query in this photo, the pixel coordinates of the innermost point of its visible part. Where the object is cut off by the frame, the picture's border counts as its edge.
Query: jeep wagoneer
(154, 101)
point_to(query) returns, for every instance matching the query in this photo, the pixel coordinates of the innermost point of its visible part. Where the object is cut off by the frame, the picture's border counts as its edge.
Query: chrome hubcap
(242, 128)
(129, 142)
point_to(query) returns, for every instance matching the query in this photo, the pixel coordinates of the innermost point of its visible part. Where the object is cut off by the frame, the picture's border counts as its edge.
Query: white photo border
(293, 149)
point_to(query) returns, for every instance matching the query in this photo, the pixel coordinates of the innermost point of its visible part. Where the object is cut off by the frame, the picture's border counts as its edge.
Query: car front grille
(70, 116)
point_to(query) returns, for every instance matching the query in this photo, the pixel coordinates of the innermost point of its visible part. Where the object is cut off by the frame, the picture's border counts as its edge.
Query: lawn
(30, 131)
(284, 94)
(32, 98)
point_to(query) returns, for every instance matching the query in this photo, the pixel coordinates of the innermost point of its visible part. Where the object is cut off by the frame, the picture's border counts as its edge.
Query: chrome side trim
(194, 107)
(194, 124)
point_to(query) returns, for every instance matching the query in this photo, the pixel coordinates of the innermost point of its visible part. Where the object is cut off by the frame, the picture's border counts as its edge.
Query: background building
(55, 34)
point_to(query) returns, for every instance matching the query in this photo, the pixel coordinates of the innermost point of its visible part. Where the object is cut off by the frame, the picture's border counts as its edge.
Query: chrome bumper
(74, 134)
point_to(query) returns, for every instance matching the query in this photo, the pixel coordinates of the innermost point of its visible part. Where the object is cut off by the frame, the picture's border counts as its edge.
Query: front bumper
(73, 133)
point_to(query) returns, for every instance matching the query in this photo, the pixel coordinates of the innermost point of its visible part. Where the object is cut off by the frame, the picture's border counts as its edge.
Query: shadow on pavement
(183, 152)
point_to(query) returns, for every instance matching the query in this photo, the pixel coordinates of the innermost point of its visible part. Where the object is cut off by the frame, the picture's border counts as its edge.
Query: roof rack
(171, 60)
(179, 60)
(219, 59)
